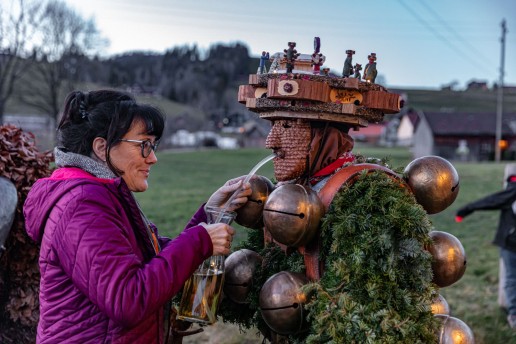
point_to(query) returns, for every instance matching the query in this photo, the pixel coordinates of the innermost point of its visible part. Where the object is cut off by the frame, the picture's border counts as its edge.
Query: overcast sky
(418, 43)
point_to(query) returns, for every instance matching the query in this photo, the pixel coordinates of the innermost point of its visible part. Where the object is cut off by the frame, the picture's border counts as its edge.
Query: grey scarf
(99, 170)
(68, 159)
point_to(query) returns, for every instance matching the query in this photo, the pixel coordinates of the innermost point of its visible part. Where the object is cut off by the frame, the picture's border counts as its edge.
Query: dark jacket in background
(505, 235)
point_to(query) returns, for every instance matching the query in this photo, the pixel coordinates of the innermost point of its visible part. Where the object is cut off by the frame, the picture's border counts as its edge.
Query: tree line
(47, 49)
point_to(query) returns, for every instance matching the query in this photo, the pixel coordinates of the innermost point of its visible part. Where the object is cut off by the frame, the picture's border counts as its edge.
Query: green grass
(182, 181)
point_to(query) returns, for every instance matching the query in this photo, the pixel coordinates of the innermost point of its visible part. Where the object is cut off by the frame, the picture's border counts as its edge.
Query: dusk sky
(418, 43)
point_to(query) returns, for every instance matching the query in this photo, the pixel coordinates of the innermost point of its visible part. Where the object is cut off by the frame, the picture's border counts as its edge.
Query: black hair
(108, 114)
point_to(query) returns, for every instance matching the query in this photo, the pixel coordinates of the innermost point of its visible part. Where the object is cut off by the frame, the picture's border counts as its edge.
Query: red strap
(347, 157)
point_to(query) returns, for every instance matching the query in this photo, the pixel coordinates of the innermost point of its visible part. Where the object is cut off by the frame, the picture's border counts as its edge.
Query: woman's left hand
(222, 195)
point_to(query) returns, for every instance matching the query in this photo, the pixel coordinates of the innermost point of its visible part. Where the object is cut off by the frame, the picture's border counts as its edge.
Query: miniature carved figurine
(317, 61)
(276, 58)
(370, 71)
(348, 64)
(317, 58)
(290, 55)
(265, 56)
(358, 68)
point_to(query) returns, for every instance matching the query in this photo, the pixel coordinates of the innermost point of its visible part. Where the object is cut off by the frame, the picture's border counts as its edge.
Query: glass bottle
(203, 290)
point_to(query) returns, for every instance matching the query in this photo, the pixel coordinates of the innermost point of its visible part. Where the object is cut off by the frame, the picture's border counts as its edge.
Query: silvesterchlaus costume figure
(340, 249)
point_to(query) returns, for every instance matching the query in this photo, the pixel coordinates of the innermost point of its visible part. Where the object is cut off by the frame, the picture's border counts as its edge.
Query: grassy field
(181, 181)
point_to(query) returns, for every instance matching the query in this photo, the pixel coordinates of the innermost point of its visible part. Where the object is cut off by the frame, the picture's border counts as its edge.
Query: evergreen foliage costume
(366, 273)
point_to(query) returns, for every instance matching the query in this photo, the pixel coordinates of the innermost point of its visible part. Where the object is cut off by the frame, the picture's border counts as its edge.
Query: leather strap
(310, 252)
(347, 175)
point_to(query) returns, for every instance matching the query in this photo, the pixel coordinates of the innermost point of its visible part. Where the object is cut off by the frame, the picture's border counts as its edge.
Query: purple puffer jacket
(101, 281)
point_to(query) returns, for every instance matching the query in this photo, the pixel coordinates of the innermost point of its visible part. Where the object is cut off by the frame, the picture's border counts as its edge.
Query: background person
(505, 236)
(106, 274)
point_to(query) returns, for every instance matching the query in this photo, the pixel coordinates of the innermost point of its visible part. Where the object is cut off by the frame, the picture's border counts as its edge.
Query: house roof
(471, 124)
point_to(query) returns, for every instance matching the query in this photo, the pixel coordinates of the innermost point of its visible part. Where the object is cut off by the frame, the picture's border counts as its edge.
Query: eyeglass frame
(153, 146)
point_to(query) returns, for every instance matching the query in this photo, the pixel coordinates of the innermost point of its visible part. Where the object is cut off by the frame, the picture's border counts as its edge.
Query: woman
(106, 275)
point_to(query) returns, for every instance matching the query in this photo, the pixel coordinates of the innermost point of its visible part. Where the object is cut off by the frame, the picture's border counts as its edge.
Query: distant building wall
(405, 132)
(423, 141)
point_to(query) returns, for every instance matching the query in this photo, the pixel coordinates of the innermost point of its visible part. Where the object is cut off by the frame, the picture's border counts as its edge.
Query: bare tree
(64, 39)
(18, 25)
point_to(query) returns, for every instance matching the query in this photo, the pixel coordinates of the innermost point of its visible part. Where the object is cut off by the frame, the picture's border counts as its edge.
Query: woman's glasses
(147, 146)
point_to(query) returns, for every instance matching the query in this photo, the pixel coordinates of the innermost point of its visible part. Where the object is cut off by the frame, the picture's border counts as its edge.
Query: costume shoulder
(47, 193)
(346, 176)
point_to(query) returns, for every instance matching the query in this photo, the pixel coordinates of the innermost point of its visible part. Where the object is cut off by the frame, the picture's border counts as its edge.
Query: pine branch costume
(376, 286)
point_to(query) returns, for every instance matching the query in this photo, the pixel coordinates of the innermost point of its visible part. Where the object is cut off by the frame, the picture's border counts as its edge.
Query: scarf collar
(96, 168)
(347, 157)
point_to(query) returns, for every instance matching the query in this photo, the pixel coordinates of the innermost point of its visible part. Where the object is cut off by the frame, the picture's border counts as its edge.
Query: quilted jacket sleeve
(99, 252)
(199, 216)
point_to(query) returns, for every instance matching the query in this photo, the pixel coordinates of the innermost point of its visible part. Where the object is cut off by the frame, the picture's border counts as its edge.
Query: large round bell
(281, 302)
(434, 182)
(454, 331)
(251, 214)
(440, 305)
(292, 214)
(239, 269)
(449, 258)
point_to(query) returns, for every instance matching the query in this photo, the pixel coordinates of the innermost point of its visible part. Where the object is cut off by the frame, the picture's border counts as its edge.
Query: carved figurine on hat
(348, 64)
(370, 71)
(275, 64)
(358, 68)
(263, 58)
(290, 55)
(317, 58)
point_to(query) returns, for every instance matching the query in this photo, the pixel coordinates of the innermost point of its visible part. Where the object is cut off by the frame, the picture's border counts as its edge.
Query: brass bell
(449, 258)
(440, 305)
(238, 274)
(250, 215)
(281, 302)
(434, 182)
(454, 331)
(292, 214)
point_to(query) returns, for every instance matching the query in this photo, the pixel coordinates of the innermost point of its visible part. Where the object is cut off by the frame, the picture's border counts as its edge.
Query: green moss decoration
(376, 286)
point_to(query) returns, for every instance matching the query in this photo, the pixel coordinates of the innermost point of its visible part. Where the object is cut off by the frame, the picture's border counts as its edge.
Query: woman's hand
(223, 194)
(221, 236)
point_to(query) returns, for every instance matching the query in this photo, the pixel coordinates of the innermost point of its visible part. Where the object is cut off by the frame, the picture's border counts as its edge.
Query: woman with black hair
(106, 274)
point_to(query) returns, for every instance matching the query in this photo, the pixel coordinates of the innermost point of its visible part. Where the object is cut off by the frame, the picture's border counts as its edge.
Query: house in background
(408, 122)
(477, 85)
(370, 134)
(463, 136)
